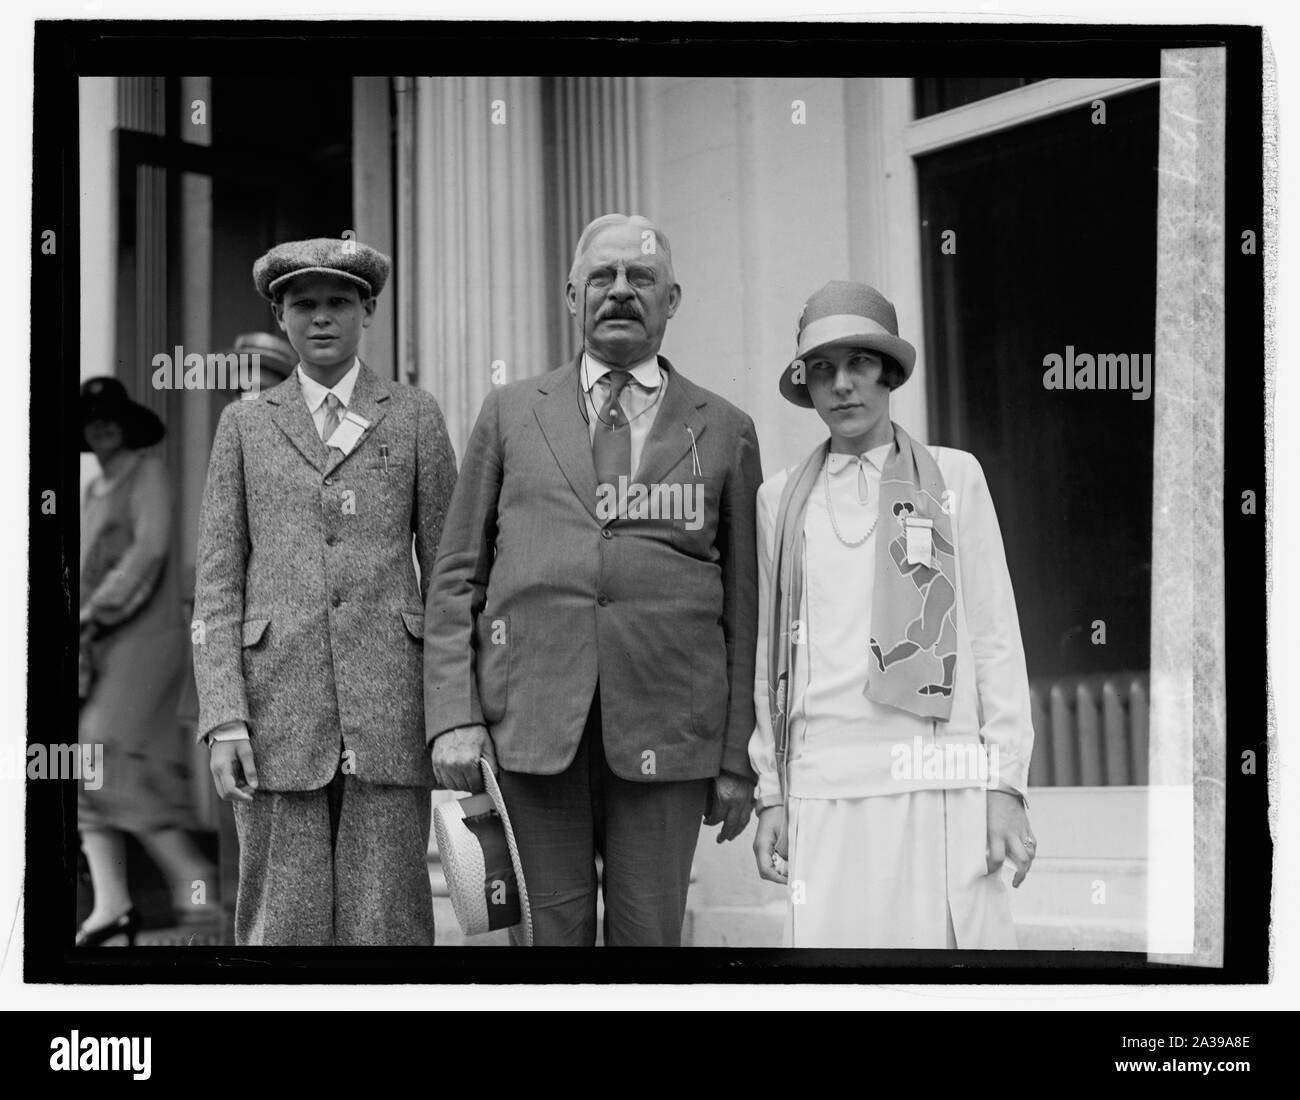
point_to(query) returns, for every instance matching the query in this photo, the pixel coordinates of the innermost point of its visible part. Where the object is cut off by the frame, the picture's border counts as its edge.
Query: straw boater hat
(481, 861)
(348, 259)
(105, 398)
(844, 314)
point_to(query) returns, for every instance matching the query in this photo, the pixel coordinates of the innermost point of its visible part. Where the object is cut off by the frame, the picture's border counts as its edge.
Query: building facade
(1005, 219)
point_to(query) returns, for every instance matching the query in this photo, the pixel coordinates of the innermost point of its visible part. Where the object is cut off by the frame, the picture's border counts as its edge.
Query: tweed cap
(845, 314)
(348, 259)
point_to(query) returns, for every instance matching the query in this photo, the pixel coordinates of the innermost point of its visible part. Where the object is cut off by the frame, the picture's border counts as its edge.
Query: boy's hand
(233, 770)
(455, 758)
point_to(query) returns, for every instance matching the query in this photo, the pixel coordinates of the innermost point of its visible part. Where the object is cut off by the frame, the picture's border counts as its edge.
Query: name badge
(920, 543)
(349, 431)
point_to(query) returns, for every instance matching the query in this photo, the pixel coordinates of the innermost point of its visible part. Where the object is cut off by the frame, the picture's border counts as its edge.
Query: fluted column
(597, 164)
(142, 108)
(471, 278)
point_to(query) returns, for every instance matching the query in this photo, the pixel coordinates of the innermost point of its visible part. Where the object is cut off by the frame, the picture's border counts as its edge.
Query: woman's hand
(1009, 834)
(770, 840)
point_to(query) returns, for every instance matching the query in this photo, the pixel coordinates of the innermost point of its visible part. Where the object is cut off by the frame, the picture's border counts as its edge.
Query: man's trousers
(645, 834)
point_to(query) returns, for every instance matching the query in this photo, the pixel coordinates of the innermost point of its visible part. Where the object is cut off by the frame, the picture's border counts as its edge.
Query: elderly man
(591, 625)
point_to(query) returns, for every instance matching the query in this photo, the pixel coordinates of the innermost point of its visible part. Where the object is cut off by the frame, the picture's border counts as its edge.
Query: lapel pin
(696, 469)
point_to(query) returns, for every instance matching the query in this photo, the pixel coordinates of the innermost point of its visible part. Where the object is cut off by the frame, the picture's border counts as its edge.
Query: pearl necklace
(830, 509)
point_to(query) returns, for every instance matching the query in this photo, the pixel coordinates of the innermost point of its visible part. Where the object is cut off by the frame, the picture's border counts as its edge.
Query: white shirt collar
(315, 393)
(835, 462)
(645, 373)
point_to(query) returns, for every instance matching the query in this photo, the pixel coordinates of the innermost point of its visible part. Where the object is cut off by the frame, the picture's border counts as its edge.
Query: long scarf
(913, 603)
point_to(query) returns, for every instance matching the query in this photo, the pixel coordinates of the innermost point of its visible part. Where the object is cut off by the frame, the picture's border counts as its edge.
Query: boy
(308, 632)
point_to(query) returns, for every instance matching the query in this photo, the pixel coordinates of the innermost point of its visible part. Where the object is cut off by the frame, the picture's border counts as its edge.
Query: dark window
(943, 93)
(1055, 226)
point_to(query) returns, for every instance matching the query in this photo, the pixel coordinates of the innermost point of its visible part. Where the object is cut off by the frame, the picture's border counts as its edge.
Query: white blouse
(844, 745)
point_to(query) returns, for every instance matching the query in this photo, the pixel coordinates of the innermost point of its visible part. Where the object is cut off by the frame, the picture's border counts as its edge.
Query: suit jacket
(309, 617)
(538, 593)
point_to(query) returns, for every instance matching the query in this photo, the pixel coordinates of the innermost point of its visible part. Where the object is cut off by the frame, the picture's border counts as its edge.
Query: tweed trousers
(345, 864)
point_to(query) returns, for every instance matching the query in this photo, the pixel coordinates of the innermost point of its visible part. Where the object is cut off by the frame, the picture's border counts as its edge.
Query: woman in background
(893, 735)
(133, 653)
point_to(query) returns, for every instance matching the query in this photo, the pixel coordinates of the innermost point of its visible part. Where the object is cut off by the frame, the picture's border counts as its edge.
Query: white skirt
(903, 870)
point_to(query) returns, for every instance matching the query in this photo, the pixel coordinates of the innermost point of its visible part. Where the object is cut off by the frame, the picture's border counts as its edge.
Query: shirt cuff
(230, 731)
(1007, 789)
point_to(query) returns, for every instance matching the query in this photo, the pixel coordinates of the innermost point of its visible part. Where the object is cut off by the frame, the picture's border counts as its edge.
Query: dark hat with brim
(346, 259)
(844, 314)
(105, 399)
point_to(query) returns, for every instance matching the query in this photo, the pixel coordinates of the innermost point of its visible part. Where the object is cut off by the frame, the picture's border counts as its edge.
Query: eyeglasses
(639, 277)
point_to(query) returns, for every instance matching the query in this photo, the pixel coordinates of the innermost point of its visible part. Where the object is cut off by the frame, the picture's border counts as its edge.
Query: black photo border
(65, 51)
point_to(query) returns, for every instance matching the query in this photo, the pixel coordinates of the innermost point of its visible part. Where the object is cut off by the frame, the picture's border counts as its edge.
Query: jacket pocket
(694, 511)
(710, 688)
(414, 621)
(493, 640)
(254, 630)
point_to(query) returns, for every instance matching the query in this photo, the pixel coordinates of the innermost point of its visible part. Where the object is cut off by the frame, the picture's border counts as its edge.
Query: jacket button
(330, 540)
(606, 533)
(336, 600)
(329, 481)
(602, 599)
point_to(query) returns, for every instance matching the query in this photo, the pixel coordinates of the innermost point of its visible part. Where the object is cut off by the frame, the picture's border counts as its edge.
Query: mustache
(628, 310)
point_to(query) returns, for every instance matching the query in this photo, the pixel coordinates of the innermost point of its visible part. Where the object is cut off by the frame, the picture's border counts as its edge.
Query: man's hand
(769, 840)
(455, 758)
(1009, 834)
(233, 770)
(731, 804)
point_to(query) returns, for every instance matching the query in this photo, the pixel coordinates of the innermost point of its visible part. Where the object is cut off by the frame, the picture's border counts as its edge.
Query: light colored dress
(886, 814)
(140, 658)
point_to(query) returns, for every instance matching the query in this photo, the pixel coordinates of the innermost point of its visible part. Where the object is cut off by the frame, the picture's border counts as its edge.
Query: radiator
(1090, 731)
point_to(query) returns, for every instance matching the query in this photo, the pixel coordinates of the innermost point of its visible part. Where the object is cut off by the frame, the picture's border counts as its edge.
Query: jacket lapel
(566, 433)
(370, 402)
(678, 423)
(292, 418)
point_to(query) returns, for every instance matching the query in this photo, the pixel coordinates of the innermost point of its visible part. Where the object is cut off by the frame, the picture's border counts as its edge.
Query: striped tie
(611, 446)
(332, 417)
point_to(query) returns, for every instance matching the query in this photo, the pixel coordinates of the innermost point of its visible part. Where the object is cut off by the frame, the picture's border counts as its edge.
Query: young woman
(893, 736)
(133, 646)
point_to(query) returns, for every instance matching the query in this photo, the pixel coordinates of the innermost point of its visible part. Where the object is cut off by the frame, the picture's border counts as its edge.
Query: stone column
(1188, 697)
(471, 279)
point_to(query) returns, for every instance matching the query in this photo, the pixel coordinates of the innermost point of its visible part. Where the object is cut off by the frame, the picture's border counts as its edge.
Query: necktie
(611, 447)
(332, 416)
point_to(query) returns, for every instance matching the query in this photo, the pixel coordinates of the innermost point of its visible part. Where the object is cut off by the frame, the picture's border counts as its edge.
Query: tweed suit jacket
(538, 593)
(308, 610)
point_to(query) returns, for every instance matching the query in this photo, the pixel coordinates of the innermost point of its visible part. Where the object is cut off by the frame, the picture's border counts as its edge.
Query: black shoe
(128, 924)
